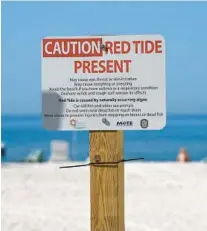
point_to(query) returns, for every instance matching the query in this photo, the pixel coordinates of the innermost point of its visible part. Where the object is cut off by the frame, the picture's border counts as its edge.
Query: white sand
(158, 197)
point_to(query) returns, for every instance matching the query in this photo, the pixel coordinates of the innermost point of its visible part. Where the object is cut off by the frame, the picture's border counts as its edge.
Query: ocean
(24, 133)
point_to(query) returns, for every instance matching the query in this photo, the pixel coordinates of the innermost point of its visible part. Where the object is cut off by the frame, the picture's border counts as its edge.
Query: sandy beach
(158, 197)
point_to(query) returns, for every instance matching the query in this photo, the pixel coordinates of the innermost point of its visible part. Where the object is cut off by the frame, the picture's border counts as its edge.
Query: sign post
(107, 181)
(104, 84)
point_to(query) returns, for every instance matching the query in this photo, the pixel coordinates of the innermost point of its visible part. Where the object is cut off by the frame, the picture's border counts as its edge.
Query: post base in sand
(107, 181)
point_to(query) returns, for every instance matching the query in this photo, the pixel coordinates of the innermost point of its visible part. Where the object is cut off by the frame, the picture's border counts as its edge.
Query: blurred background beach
(24, 134)
(160, 194)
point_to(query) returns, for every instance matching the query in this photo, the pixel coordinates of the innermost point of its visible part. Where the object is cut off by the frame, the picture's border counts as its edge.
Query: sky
(183, 24)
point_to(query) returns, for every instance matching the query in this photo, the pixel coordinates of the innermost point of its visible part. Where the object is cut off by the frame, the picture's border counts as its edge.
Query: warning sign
(104, 83)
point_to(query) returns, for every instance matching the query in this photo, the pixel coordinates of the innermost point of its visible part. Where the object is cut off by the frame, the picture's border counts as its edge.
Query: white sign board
(104, 82)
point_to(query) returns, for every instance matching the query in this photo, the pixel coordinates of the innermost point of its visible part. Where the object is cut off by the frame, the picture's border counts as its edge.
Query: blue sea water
(22, 134)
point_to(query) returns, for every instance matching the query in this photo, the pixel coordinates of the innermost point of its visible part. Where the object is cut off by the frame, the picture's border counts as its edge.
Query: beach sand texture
(158, 197)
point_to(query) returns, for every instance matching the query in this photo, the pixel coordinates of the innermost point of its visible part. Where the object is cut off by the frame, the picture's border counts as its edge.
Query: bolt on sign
(104, 82)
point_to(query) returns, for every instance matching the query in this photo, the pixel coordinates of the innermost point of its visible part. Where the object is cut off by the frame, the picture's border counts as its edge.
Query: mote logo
(124, 123)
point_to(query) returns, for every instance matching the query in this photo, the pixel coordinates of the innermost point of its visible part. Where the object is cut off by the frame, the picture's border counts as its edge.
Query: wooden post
(107, 181)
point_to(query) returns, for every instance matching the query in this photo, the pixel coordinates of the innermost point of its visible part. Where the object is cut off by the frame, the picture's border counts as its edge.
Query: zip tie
(101, 163)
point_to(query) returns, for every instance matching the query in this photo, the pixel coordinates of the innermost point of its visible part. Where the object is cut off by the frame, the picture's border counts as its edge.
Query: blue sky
(182, 24)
